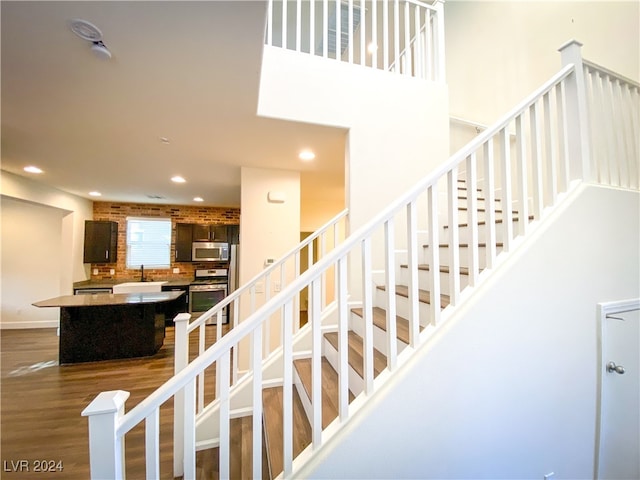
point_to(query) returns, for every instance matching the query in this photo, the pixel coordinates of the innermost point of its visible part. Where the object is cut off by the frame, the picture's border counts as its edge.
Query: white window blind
(148, 242)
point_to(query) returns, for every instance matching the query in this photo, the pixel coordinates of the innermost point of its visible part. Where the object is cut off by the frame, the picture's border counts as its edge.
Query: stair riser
(463, 256)
(464, 233)
(402, 306)
(424, 280)
(356, 383)
(380, 341)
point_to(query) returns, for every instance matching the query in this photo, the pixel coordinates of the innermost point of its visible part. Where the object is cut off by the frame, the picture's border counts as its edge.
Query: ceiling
(185, 71)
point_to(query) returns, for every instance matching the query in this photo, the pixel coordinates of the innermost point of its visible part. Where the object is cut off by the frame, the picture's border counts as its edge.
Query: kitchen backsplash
(118, 212)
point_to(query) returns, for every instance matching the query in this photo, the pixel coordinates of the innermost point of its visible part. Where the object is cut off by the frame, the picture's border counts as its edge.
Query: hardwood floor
(41, 403)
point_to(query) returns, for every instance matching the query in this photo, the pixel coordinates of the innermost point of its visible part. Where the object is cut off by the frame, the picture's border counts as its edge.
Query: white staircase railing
(402, 36)
(614, 105)
(530, 170)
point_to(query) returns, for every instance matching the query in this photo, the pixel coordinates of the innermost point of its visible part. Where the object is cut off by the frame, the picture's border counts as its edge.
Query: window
(148, 242)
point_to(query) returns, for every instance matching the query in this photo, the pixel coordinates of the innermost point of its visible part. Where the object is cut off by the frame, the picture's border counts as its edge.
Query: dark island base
(110, 331)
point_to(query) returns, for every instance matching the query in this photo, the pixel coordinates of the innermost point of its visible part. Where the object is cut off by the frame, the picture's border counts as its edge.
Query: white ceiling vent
(85, 30)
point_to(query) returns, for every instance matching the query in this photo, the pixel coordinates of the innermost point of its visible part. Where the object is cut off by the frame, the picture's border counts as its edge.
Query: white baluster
(507, 197)
(256, 362)
(454, 234)
(224, 369)
(367, 311)
(343, 342)
(472, 203)
(312, 27)
(412, 257)
(363, 36)
(489, 195)
(316, 362)
(396, 35)
(385, 34)
(563, 146)
(550, 147)
(152, 445)
(523, 189)
(287, 388)
(390, 284)
(536, 164)
(189, 431)
(439, 50)
(298, 25)
(434, 254)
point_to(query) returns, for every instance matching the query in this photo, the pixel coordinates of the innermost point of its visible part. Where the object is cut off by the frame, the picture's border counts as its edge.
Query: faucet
(142, 273)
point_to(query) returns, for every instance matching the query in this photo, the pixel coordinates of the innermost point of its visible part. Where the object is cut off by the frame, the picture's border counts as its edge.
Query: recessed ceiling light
(32, 169)
(306, 155)
(165, 140)
(95, 194)
(178, 179)
(198, 199)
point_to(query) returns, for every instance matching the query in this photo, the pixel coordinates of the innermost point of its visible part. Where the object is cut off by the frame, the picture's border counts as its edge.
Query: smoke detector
(85, 30)
(88, 31)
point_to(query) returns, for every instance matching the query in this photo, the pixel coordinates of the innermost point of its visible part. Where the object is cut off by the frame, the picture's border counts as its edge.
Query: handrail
(611, 73)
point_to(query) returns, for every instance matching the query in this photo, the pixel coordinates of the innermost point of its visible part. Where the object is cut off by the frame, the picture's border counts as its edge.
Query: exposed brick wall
(118, 212)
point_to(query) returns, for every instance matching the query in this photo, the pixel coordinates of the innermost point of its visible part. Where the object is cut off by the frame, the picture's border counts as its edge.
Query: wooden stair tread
(380, 321)
(483, 222)
(466, 245)
(424, 296)
(240, 454)
(356, 351)
(443, 268)
(498, 210)
(273, 419)
(330, 400)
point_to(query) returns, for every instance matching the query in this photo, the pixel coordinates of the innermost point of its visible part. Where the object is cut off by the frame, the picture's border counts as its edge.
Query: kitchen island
(108, 326)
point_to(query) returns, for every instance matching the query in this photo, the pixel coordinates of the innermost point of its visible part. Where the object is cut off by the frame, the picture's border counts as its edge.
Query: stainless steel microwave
(210, 252)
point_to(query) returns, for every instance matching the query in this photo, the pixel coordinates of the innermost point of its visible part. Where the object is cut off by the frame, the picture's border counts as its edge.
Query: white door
(619, 438)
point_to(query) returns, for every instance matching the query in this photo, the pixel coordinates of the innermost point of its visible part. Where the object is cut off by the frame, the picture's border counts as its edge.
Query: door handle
(612, 367)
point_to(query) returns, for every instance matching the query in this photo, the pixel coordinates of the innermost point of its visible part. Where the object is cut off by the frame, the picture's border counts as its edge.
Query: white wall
(31, 245)
(398, 126)
(499, 52)
(268, 230)
(38, 213)
(508, 387)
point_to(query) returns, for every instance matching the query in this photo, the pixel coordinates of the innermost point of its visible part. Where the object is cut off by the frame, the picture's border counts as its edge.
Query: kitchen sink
(138, 287)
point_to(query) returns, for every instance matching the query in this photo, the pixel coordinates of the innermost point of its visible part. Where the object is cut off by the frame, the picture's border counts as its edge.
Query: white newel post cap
(182, 317)
(106, 402)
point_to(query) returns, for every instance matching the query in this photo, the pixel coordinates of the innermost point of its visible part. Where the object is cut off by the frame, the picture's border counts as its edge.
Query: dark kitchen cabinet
(100, 241)
(233, 234)
(184, 238)
(209, 233)
(201, 233)
(179, 305)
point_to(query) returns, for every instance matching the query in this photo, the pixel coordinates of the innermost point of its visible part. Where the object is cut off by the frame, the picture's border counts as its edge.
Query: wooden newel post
(181, 360)
(106, 450)
(577, 115)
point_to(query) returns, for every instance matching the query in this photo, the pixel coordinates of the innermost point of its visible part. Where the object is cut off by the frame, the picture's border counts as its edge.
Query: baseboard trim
(31, 324)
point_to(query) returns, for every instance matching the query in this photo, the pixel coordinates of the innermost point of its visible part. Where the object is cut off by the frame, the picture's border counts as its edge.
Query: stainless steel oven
(208, 289)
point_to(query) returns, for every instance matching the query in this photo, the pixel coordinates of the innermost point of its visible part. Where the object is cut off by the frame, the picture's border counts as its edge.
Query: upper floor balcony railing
(402, 36)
